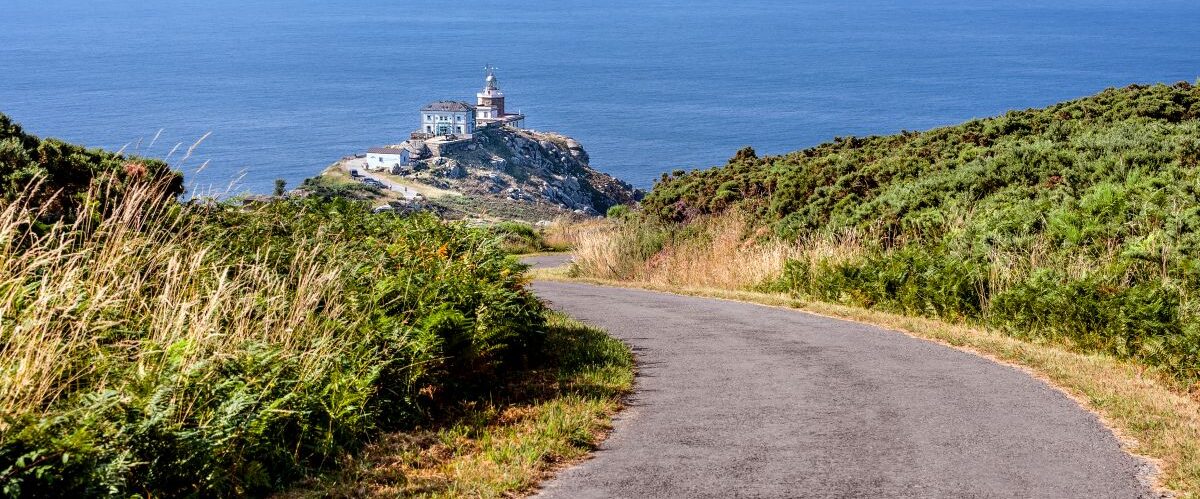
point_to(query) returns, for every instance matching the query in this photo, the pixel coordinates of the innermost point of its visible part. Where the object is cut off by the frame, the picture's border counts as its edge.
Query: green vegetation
(617, 211)
(229, 354)
(501, 443)
(52, 176)
(521, 238)
(327, 187)
(157, 348)
(1075, 224)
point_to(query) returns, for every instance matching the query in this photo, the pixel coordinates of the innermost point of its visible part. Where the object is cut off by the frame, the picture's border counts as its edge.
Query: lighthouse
(489, 104)
(491, 99)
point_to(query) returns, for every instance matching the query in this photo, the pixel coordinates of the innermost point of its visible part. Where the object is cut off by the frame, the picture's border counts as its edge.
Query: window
(460, 129)
(428, 118)
(428, 129)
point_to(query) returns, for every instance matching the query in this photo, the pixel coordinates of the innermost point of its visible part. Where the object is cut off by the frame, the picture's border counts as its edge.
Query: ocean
(282, 88)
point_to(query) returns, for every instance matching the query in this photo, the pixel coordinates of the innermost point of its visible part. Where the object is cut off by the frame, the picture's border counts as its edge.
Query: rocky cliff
(527, 166)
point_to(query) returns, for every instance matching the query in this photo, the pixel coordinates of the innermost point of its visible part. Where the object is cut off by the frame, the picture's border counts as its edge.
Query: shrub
(617, 211)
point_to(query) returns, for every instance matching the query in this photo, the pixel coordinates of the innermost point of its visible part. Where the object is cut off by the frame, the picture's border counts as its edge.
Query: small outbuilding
(387, 158)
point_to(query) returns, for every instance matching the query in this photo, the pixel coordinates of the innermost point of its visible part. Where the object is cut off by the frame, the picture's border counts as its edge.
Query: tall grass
(564, 232)
(157, 348)
(723, 252)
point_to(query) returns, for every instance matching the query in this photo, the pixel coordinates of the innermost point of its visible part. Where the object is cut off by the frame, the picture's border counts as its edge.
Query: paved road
(547, 261)
(741, 400)
(360, 164)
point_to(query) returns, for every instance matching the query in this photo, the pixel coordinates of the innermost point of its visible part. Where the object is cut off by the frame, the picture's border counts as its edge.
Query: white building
(489, 105)
(396, 159)
(447, 118)
(387, 158)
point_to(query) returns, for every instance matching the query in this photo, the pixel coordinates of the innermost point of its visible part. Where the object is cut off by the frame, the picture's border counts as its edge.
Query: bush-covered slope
(64, 171)
(1077, 222)
(906, 182)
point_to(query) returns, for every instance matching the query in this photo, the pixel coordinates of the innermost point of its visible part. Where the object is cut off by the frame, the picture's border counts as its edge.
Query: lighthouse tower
(491, 97)
(489, 106)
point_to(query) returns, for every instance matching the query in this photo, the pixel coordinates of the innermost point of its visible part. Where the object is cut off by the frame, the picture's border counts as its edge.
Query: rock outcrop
(525, 165)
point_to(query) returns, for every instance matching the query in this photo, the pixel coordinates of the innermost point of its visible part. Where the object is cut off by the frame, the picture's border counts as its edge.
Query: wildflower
(444, 251)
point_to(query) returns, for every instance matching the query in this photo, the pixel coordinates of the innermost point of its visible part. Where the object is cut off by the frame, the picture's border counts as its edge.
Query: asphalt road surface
(549, 260)
(741, 400)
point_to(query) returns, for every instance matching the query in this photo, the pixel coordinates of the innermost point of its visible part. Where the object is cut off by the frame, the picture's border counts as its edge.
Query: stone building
(459, 119)
(447, 117)
(446, 126)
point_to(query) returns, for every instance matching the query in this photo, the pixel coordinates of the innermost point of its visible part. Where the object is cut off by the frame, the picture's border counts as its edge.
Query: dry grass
(64, 294)
(492, 452)
(566, 232)
(725, 252)
(1152, 415)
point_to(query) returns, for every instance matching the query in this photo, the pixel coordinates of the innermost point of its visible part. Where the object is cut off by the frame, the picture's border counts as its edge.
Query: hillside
(1076, 224)
(1022, 164)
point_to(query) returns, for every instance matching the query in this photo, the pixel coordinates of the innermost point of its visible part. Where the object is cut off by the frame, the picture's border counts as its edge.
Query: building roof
(448, 105)
(385, 150)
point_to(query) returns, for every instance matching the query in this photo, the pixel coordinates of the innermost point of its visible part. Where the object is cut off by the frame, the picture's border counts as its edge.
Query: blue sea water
(287, 86)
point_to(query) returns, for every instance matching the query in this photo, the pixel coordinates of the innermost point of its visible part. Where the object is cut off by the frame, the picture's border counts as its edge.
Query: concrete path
(360, 164)
(741, 400)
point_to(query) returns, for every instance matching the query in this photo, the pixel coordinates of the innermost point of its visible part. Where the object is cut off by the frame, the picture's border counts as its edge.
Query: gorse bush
(1076, 223)
(165, 349)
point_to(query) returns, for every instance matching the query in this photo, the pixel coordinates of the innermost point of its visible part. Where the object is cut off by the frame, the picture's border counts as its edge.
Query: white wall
(377, 161)
(465, 119)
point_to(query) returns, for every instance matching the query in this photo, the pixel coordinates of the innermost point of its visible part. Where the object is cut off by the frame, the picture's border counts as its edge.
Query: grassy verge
(502, 444)
(1153, 415)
